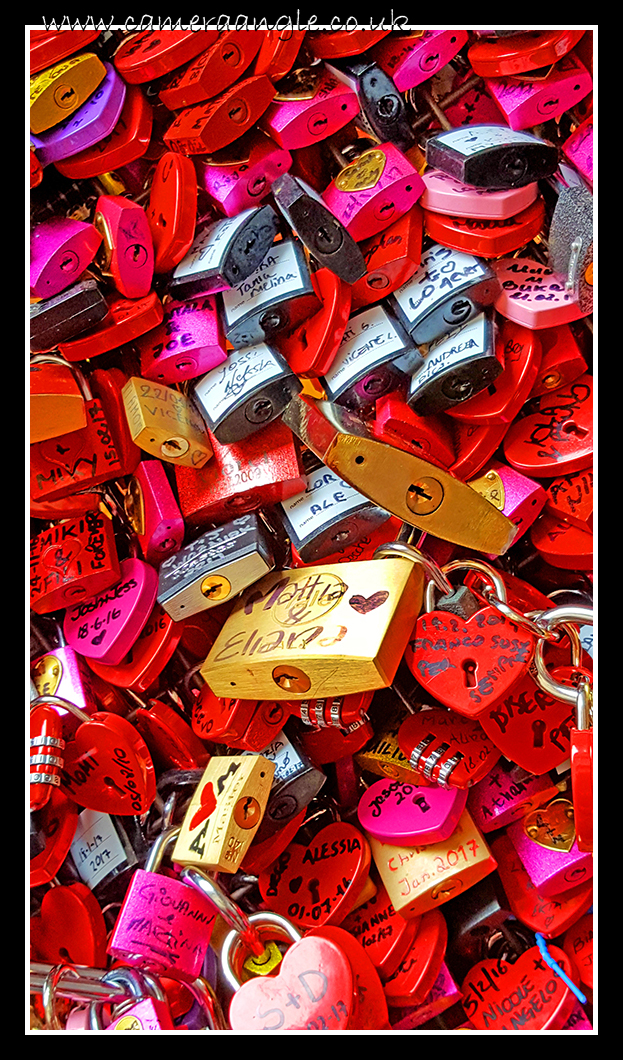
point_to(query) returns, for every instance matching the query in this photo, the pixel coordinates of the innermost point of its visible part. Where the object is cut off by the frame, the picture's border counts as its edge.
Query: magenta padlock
(62, 672)
(502, 798)
(154, 513)
(397, 812)
(546, 844)
(60, 251)
(374, 190)
(106, 626)
(518, 497)
(239, 176)
(93, 121)
(449, 195)
(188, 342)
(411, 58)
(164, 925)
(443, 994)
(310, 105)
(578, 148)
(526, 101)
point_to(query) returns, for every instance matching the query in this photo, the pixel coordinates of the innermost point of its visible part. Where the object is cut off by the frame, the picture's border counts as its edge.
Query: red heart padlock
(313, 991)
(570, 497)
(171, 741)
(562, 545)
(369, 1009)
(70, 927)
(57, 822)
(412, 981)
(446, 747)
(142, 665)
(385, 936)
(526, 995)
(108, 767)
(475, 444)
(318, 884)
(558, 438)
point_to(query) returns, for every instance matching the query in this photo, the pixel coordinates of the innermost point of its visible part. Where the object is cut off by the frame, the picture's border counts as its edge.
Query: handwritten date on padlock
(525, 995)
(468, 664)
(108, 767)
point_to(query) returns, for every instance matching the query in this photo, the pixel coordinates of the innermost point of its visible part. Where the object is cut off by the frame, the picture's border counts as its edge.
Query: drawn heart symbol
(64, 450)
(552, 826)
(108, 767)
(363, 605)
(526, 995)
(468, 664)
(207, 806)
(70, 928)
(417, 972)
(313, 991)
(332, 868)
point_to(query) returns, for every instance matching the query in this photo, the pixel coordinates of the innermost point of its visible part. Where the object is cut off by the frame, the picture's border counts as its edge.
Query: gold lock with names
(59, 90)
(165, 423)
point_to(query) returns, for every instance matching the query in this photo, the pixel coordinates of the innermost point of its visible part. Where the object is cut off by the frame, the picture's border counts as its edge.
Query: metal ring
(564, 693)
(556, 616)
(518, 617)
(231, 913)
(57, 701)
(559, 616)
(49, 994)
(264, 924)
(465, 564)
(204, 994)
(402, 549)
(584, 706)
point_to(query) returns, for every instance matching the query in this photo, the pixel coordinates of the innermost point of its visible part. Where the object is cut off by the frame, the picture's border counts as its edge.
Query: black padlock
(491, 156)
(457, 366)
(383, 110)
(66, 315)
(295, 783)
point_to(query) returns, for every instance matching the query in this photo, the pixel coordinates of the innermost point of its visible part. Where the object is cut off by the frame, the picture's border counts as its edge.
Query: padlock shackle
(55, 358)
(165, 840)
(564, 616)
(58, 701)
(231, 913)
(267, 926)
(399, 548)
(484, 569)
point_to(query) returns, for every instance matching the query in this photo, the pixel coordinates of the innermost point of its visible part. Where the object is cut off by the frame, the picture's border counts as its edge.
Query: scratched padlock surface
(154, 149)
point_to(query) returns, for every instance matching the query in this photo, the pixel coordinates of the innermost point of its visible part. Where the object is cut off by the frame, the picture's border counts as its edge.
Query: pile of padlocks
(311, 496)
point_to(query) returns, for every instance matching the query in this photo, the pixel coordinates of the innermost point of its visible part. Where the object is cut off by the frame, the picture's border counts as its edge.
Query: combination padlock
(456, 367)
(238, 176)
(188, 342)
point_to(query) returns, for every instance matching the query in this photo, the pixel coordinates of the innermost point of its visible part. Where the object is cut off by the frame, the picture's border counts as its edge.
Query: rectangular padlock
(66, 315)
(456, 367)
(165, 423)
(492, 156)
(213, 71)
(237, 176)
(209, 126)
(310, 105)
(72, 561)
(189, 341)
(411, 58)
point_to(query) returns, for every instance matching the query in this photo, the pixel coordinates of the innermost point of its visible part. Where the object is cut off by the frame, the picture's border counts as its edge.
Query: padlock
(244, 724)
(558, 437)
(488, 238)
(60, 251)
(153, 512)
(527, 101)
(562, 360)
(385, 936)
(257, 472)
(59, 90)
(147, 1011)
(444, 994)
(149, 410)
(417, 973)
(448, 195)
(220, 825)
(519, 497)
(391, 259)
(562, 545)
(295, 783)
(56, 401)
(504, 796)
(278, 53)
(570, 239)
(213, 70)
(457, 366)
(172, 942)
(216, 566)
(374, 189)
(570, 497)
(333, 745)
(249, 391)
(172, 209)
(72, 560)
(374, 357)
(334, 711)
(63, 671)
(46, 760)
(475, 444)
(56, 824)
(411, 58)
(238, 176)
(128, 141)
(210, 126)
(428, 739)
(475, 919)
(311, 348)
(578, 148)
(93, 121)
(188, 342)
(383, 111)
(127, 318)
(491, 156)
(277, 296)
(522, 52)
(309, 105)
(225, 253)
(395, 812)
(578, 945)
(142, 665)
(107, 386)
(298, 600)
(48, 47)
(327, 515)
(534, 295)
(448, 289)
(69, 927)
(545, 840)
(397, 424)
(127, 254)
(66, 315)
(152, 54)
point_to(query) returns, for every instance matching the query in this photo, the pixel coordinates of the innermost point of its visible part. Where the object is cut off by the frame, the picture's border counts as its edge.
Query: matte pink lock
(188, 342)
(239, 187)
(156, 517)
(446, 194)
(368, 211)
(526, 103)
(411, 60)
(551, 871)
(522, 498)
(60, 251)
(534, 295)
(106, 626)
(397, 812)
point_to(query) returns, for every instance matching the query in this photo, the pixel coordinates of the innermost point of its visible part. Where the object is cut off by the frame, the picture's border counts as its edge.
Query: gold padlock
(317, 631)
(57, 92)
(165, 423)
(225, 812)
(419, 493)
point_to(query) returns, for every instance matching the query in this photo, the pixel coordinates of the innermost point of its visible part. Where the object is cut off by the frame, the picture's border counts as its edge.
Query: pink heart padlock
(397, 812)
(106, 626)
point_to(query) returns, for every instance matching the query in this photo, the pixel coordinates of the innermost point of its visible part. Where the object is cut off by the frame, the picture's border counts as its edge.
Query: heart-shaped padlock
(578, 945)
(369, 1010)
(415, 976)
(526, 995)
(318, 884)
(57, 822)
(446, 747)
(385, 936)
(558, 438)
(70, 927)
(397, 812)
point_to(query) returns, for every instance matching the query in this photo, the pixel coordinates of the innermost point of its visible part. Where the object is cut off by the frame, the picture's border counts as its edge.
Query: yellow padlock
(57, 92)
(165, 424)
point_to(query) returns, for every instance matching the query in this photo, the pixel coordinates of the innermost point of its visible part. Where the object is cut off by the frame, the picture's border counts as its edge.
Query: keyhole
(538, 728)
(312, 887)
(491, 390)
(469, 669)
(110, 783)
(574, 428)
(420, 801)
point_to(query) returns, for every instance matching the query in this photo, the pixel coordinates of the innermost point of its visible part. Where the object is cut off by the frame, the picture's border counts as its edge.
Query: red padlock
(278, 53)
(558, 437)
(519, 349)
(427, 436)
(148, 55)
(48, 47)
(172, 210)
(46, 760)
(570, 497)
(391, 258)
(128, 141)
(561, 362)
(521, 52)
(72, 561)
(214, 70)
(144, 663)
(311, 348)
(128, 252)
(127, 319)
(209, 126)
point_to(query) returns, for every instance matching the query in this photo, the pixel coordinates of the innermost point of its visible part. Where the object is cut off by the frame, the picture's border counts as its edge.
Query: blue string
(541, 943)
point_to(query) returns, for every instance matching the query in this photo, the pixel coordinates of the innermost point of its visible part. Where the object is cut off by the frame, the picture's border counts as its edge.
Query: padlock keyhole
(312, 887)
(469, 667)
(538, 728)
(575, 428)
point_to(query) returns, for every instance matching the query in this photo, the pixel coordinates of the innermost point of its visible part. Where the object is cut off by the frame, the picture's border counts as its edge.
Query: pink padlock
(62, 672)
(106, 626)
(578, 148)
(374, 190)
(502, 798)
(526, 102)
(397, 812)
(545, 841)
(310, 105)
(411, 58)
(443, 994)
(239, 176)
(188, 342)
(60, 251)
(449, 195)
(153, 512)
(534, 295)
(518, 497)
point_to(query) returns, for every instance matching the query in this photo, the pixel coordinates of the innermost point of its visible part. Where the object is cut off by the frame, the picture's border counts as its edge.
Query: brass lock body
(164, 423)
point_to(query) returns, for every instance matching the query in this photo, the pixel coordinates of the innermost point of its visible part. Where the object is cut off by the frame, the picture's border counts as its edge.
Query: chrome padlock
(163, 927)
(456, 367)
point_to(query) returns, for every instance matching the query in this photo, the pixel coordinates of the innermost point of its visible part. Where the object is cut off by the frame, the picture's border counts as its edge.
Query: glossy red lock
(561, 361)
(489, 237)
(427, 436)
(519, 350)
(310, 105)
(311, 348)
(145, 56)
(107, 386)
(209, 126)
(153, 512)
(331, 744)
(46, 754)
(337, 711)
(521, 52)
(171, 741)
(128, 141)
(172, 210)
(558, 437)
(343, 42)
(447, 747)
(214, 70)
(128, 252)
(127, 319)
(244, 723)
(60, 251)
(72, 561)
(475, 444)
(278, 52)
(48, 47)
(391, 258)
(385, 936)
(570, 498)
(411, 58)
(240, 175)
(142, 666)
(57, 822)
(563, 545)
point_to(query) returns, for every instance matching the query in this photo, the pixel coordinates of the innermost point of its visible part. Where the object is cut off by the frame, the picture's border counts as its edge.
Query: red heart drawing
(364, 604)
(70, 928)
(414, 978)
(207, 806)
(369, 1012)
(108, 767)
(318, 884)
(526, 995)
(313, 991)
(468, 664)
(384, 935)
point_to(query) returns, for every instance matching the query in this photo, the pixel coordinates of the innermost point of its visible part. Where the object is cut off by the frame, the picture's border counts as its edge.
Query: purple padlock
(188, 342)
(93, 121)
(559, 865)
(239, 176)
(518, 497)
(397, 812)
(373, 191)
(60, 250)
(502, 798)
(106, 626)
(578, 148)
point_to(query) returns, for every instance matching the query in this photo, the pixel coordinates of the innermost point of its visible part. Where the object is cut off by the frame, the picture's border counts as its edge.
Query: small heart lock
(526, 995)
(70, 927)
(403, 813)
(552, 826)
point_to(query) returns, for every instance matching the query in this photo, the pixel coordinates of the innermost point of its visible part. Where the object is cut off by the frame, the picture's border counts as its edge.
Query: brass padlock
(317, 631)
(164, 423)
